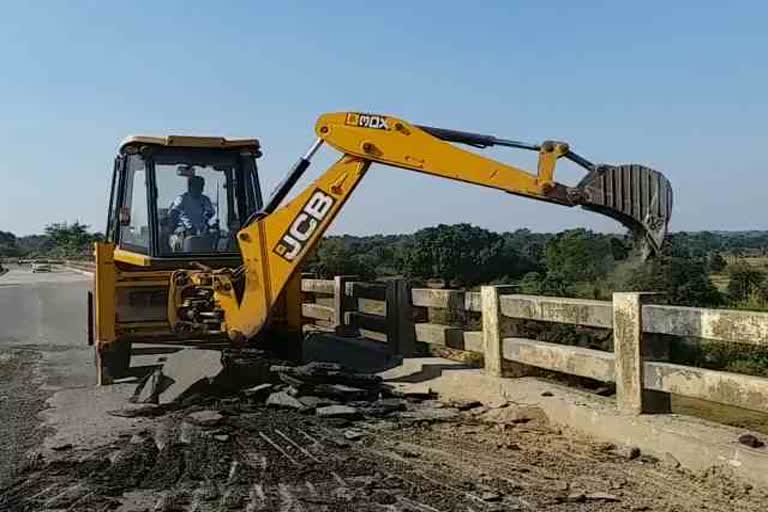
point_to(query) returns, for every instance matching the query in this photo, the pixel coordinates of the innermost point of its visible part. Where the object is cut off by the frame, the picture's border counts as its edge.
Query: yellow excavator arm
(275, 241)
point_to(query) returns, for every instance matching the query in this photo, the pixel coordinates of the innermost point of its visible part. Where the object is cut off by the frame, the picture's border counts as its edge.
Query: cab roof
(187, 141)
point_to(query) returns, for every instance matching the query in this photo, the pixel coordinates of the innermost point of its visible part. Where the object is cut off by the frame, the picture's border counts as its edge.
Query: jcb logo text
(300, 231)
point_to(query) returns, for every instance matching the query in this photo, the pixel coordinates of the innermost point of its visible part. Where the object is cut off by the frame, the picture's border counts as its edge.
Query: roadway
(46, 312)
(43, 349)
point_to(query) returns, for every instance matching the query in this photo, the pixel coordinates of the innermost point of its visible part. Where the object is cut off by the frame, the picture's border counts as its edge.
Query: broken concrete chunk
(394, 403)
(340, 392)
(311, 368)
(294, 391)
(321, 367)
(187, 433)
(258, 392)
(149, 388)
(137, 411)
(479, 411)
(140, 437)
(284, 400)
(601, 496)
(354, 434)
(292, 381)
(338, 439)
(313, 402)
(490, 496)
(185, 368)
(205, 418)
(358, 380)
(465, 405)
(325, 373)
(162, 435)
(628, 452)
(751, 440)
(338, 411)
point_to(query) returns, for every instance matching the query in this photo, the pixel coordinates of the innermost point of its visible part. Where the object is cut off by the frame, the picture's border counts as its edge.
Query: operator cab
(181, 197)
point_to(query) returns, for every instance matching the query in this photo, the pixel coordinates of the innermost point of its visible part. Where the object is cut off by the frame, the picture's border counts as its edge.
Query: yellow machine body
(241, 295)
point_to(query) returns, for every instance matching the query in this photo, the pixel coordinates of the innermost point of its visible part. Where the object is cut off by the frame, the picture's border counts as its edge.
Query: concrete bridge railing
(84, 265)
(637, 364)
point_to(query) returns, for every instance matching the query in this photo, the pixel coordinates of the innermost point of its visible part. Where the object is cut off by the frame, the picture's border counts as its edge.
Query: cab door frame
(115, 195)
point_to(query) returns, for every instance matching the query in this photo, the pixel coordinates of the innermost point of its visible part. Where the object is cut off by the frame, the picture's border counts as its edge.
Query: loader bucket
(637, 196)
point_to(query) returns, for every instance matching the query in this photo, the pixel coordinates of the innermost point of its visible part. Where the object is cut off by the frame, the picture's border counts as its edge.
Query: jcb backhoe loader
(193, 254)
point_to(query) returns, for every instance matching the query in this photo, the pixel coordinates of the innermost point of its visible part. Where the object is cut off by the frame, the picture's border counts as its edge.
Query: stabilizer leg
(112, 361)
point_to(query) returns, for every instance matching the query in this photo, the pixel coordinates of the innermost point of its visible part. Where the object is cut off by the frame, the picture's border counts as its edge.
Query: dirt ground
(20, 402)
(429, 458)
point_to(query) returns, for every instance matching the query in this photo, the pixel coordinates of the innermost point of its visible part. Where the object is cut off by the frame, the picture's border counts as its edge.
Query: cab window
(197, 208)
(132, 215)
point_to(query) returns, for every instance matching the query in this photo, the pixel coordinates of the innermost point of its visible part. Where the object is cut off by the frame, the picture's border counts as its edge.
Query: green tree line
(572, 263)
(59, 240)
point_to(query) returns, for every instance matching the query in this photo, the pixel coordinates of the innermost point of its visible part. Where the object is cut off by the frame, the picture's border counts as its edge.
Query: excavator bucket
(637, 196)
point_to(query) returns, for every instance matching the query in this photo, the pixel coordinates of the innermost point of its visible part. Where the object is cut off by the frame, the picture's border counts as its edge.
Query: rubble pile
(331, 392)
(192, 375)
(249, 380)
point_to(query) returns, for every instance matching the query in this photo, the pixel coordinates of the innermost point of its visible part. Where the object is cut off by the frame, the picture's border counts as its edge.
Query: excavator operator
(190, 213)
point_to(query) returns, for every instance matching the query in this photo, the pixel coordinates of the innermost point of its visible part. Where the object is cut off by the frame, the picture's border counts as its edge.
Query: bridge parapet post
(493, 329)
(401, 334)
(631, 348)
(342, 303)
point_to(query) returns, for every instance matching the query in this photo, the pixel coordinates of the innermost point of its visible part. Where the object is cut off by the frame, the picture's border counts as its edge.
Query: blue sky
(678, 86)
